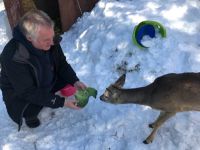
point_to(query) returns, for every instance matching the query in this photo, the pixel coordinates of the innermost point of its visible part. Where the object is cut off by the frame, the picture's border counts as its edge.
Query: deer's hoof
(151, 126)
(147, 141)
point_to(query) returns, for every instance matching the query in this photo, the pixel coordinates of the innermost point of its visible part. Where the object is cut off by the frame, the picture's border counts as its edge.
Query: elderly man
(33, 69)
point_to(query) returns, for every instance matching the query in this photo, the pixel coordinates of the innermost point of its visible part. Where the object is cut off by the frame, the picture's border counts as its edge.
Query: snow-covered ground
(98, 46)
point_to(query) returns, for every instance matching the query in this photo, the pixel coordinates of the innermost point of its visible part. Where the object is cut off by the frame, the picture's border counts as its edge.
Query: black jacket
(21, 81)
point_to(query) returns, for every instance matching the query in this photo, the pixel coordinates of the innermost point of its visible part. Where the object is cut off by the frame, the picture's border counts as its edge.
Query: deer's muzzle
(102, 98)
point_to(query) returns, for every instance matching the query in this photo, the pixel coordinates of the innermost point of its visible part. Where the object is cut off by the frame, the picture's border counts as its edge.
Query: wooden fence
(63, 12)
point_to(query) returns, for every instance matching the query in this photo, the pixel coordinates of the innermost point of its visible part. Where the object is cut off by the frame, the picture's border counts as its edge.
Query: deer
(170, 93)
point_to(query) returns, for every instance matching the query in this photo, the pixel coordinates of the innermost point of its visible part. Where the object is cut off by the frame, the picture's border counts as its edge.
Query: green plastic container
(82, 96)
(156, 25)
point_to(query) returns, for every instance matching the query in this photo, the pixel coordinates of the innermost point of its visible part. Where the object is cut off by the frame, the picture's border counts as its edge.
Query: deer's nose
(101, 98)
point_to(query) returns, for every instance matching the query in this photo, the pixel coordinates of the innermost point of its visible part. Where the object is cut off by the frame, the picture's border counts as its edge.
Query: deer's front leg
(161, 119)
(152, 125)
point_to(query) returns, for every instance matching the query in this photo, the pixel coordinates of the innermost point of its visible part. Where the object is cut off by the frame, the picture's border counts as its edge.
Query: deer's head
(112, 93)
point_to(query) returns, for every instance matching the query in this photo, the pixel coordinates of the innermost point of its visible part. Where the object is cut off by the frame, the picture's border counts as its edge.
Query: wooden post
(63, 12)
(15, 9)
(70, 10)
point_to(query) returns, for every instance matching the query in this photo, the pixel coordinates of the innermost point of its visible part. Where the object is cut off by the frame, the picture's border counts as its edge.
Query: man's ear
(120, 81)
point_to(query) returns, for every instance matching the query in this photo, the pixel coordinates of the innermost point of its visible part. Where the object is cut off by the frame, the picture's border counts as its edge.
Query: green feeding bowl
(82, 96)
(147, 27)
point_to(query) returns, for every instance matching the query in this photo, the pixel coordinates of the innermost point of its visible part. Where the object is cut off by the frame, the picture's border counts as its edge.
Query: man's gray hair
(30, 22)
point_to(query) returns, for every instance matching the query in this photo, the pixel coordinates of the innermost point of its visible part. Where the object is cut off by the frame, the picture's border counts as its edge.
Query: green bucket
(155, 24)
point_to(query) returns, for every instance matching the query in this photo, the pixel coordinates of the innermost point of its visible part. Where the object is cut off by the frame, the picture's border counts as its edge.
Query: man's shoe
(32, 122)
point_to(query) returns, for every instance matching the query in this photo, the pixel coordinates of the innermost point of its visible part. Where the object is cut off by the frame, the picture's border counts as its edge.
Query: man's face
(44, 38)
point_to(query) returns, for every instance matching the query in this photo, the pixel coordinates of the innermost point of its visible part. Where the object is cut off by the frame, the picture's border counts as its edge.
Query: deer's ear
(120, 82)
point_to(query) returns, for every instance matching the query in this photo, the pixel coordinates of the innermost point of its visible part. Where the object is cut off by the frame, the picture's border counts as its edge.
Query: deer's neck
(137, 96)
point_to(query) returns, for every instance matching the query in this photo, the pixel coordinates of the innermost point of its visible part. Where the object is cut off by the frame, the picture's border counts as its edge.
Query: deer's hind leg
(160, 120)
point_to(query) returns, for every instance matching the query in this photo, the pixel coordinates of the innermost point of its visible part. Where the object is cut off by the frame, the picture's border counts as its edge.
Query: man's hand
(79, 85)
(71, 102)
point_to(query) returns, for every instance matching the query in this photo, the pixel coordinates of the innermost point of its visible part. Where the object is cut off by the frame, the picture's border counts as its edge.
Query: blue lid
(146, 29)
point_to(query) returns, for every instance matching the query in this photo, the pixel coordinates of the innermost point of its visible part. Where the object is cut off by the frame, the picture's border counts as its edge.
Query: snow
(100, 48)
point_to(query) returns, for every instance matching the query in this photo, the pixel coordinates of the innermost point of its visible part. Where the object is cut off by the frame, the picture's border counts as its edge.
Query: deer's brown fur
(170, 93)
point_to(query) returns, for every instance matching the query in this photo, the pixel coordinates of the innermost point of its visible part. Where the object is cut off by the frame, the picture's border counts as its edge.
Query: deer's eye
(109, 91)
